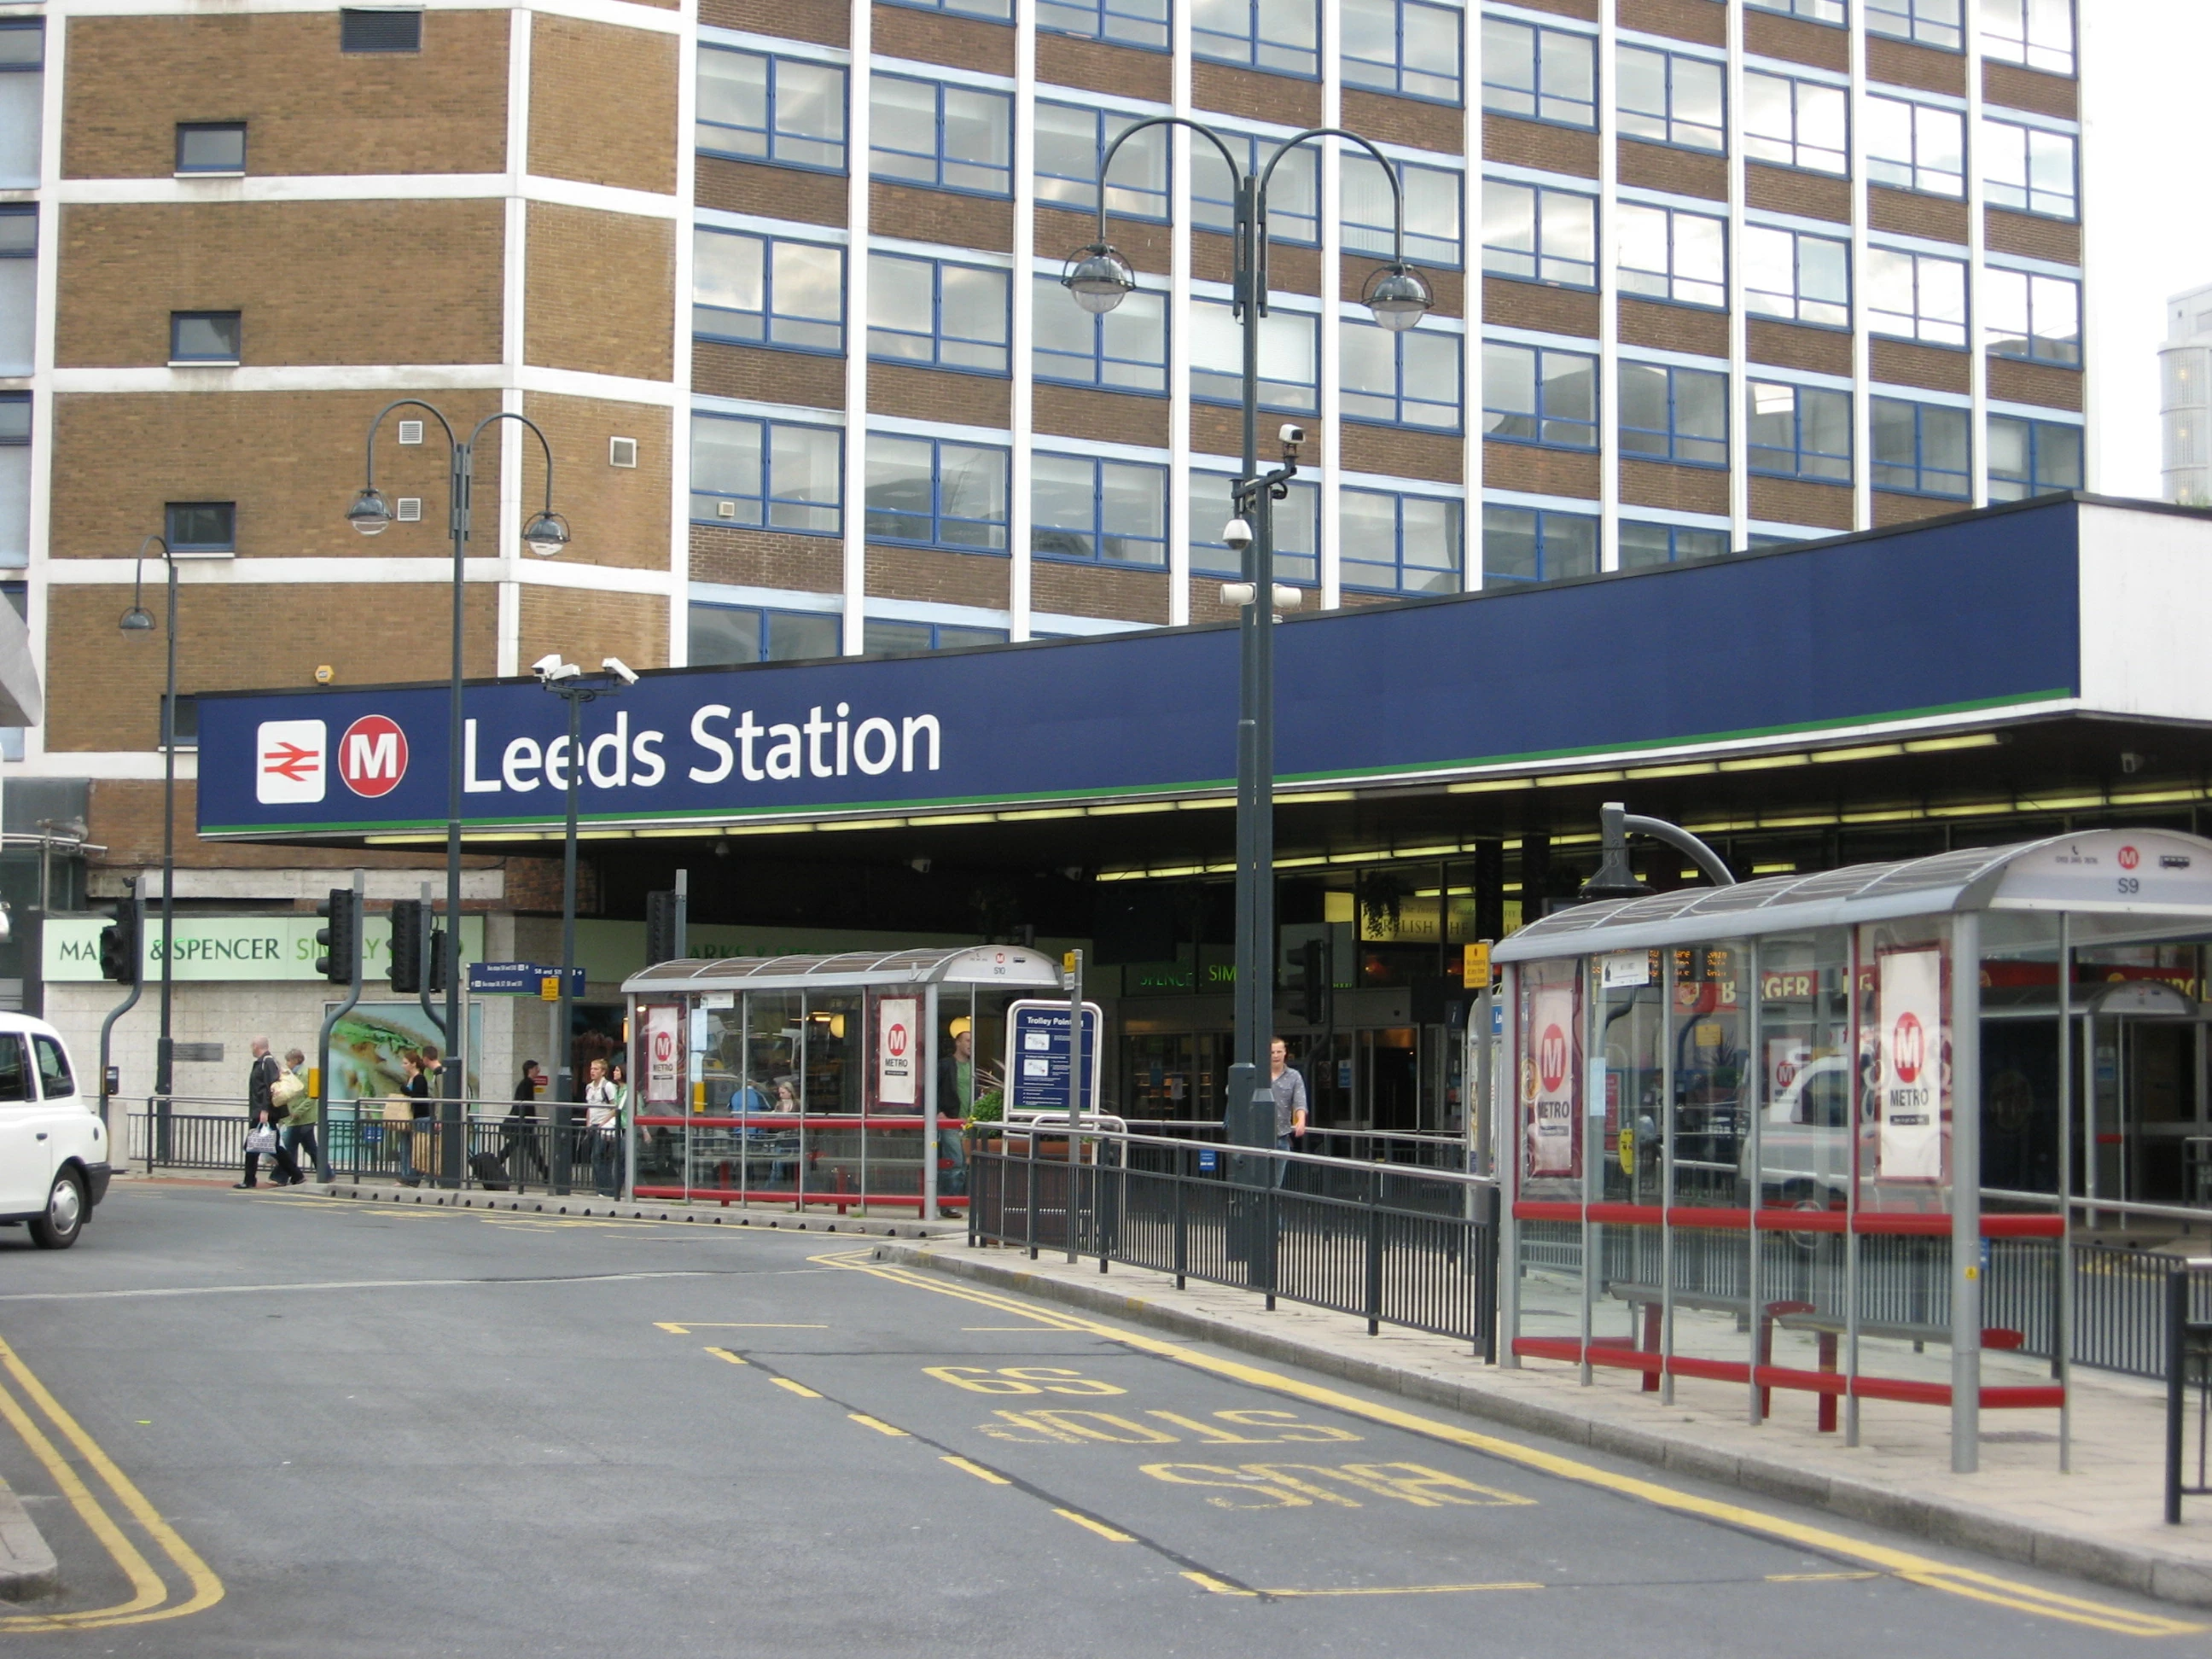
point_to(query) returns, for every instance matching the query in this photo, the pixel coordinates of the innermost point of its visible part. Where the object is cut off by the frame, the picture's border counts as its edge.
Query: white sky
(2143, 154)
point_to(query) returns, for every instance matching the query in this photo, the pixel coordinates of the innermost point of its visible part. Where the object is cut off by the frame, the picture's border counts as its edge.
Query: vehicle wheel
(57, 1229)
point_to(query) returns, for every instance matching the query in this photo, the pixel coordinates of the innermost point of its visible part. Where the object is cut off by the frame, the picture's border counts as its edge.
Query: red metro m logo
(1908, 1047)
(894, 1040)
(372, 755)
(1552, 1058)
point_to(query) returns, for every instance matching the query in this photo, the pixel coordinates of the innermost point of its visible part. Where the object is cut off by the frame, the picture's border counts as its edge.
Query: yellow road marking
(724, 1353)
(799, 1389)
(978, 1471)
(691, 1324)
(877, 1425)
(1111, 1534)
(1207, 1581)
(1922, 1570)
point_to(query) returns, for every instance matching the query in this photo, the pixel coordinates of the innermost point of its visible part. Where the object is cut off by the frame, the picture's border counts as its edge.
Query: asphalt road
(358, 1429)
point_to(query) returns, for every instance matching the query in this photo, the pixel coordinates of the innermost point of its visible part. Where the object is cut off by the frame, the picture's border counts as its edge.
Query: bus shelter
(1810, 1132)
(836, 1080)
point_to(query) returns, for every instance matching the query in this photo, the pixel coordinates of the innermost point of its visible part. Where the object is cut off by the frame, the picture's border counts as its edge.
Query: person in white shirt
(602, 1122)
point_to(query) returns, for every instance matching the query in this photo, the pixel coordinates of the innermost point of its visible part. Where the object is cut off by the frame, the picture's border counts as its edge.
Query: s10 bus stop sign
(1036, 1058)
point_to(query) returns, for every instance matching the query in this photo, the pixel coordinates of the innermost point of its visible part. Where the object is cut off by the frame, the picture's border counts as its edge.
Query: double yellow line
(150, 1597)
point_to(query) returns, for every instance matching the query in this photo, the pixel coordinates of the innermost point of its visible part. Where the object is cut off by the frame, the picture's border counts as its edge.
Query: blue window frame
(1644, 543)
(932, 493)
(1293, 194)
(15, 480)
(1141, 24)
(941, 135)
(935, 313)
(1916, 296)
(2032, 458)
(1929, 22)
(1394, 543)
(1797, 123)
(1920, 449)
(1409, 379)
(1124, 350)
(2038, 319)
(764, 290)
(1432, 211)
(1290, 357)
(1669, 98)
(891, 636)
(1539, 74)
(1098, 512)
(754, 107)
(201, 526)
(2029, 170)
(1539, 235)
(1534, 395)
(1525, 544)
(1070, 140)
(1667, 253)
(1669, 413)
(766, 475)
(996, 11)
(205, 336)
(1913, 146)
(1297, 530)
(1817, 11)
(2038, 34)
(1409, 47)
(22, 88)
(725, 635)
(1797, 277)
(1797, 431)
(1283, 36)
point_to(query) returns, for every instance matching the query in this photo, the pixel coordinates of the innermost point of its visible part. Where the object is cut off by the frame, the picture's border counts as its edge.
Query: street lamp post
(1100, 278)
(136, 623)
(545, 535)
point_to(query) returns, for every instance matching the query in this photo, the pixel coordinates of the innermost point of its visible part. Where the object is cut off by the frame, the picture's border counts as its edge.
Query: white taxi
(53, 1149)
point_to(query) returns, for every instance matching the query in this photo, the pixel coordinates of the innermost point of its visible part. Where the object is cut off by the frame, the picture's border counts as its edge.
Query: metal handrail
(1056, 1123)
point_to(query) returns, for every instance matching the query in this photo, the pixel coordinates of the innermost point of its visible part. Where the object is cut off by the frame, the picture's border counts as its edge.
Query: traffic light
(660, 927)
(1315, 988)
(341, 940)
(411, 924)
(119, 946)
(433, 968)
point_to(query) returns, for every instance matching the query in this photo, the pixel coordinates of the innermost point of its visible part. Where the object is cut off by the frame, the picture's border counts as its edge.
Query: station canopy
(1012, 966)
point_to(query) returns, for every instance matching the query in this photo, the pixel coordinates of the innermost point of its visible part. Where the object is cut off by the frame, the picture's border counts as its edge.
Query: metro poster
(1551, 1082)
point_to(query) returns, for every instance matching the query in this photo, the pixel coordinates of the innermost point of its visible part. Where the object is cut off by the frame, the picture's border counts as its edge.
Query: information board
(1036, 1058)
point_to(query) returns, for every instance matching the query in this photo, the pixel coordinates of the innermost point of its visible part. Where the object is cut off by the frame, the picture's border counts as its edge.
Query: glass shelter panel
(1549, 1131)
(1628, 1072)
(1708, 1041)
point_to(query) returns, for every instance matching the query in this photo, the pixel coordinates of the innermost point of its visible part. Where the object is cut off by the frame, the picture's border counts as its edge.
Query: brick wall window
(1290, 354)
(1929, 22)
(211, 147)
(998, 11)
(1280, 35)
(938, 314)
(205, 336)
(2032, 458)
(1797, 431)
(1797, 123)
(946, 138)
(1915, 146)
(179, 724)
(1797, 277)
(1670, 254)
(15, 480)
(1406, 46)
(1293, 194)
(763, 290)
(1410, 379)
(1124, 350)
(1539, 74)
(1669, 413)
(378, 31)
(2037, 33)
(1670, 98)
(1525, 544)
(19, 287)
(1394, 543)
(2029, 170)
(1817, 11)
(201, 527)
(22, 98)
(891, 636)
(1539, 234)
(1297, 530)
(766, 475)
(1098, 512)
(1071, 139)
(1920, 449)
(1916, 296)
(2032, 316)
(1432, 211)
(1644, 543)
(724, 635)
(1533, 395)
(931, 493)
(759, 109)
(1126, 22)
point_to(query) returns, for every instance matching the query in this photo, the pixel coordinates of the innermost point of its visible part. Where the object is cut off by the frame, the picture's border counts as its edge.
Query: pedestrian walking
(519, 1133)
(602, 1121)
(418, 1091)
(1289, 1089)
(263, 1117)
(303, 1114)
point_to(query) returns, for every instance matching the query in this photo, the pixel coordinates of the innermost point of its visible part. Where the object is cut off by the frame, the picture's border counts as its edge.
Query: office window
(204, 336)
(2037, 33)
(1534, 395)
(1915, 146)
(1818, 11)
(201, 526)
(1410, 379)
(1071, 139)
(946, 137)
(1124, 350)
(759, 108)
(1916, 296)
(2028, 169)
(1930, 22)
(1293, 194)
(1796, 276)
(1405, 47)
(211, 147)
(18, 596)
(1281, 35)
(1522, 544)
(2032, 458)
(1539, 74)
(19, 287)
(1668, 254)
(1674, 414)
(15, 480)
(1538, 234)
(1432, 211)
(1920, 449)
(1394, 543)
(1100, 512)
(761, 290)
(997, 11)
(932, 311)
(1290, 354)
(1796, 123)
(885, 637)
(936, 494)
(1126, 22)
(22, 96)
(1798, 431)
(1642, 543)
(1297, 530)
(725, 635)
(1670, 99)
(2031, 317)
(379, 31)
(179, 721)
(766, 475)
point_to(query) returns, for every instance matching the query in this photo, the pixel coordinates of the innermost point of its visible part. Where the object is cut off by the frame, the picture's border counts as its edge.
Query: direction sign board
(1036, 1057)
(519, 979)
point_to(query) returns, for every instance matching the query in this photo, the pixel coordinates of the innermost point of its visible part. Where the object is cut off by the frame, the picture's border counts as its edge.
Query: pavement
(277, 1422)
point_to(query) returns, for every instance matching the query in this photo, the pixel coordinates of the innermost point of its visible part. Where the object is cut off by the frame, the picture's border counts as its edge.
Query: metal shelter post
(926, 1054)
(2062, 1338)
(1506, 1159)
(1965, 1193)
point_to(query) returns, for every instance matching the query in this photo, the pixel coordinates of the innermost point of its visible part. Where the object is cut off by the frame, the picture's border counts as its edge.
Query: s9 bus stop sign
(1036, 1057)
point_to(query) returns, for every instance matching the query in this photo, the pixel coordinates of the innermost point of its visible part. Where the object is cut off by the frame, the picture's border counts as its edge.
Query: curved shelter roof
(1009, 965)
(2141, 881)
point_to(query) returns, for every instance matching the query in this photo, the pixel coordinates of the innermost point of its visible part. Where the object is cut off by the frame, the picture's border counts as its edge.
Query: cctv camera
(1292, 435)
(545, 666)
(1237, 534)
(620, 670)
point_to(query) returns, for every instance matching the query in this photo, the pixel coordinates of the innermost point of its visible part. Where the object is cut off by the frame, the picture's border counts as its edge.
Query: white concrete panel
(2146, 588)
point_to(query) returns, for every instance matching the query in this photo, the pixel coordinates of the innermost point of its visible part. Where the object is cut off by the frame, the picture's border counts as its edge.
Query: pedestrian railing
(2188, 1333)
